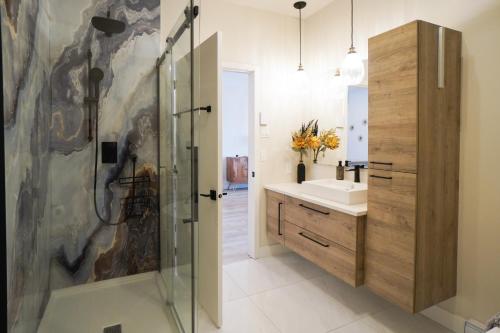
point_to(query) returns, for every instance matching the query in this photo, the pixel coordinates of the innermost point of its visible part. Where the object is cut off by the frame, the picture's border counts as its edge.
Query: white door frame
(253, 147)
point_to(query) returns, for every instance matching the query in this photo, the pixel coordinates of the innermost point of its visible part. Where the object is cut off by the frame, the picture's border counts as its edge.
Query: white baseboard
(447, 319)
(271, 250)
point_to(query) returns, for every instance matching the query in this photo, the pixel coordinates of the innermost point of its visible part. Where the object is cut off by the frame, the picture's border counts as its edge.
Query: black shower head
(108, 25)
(96, 74)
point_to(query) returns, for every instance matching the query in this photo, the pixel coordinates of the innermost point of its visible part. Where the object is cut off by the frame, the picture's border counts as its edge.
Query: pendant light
(300, 5)
(353, 69)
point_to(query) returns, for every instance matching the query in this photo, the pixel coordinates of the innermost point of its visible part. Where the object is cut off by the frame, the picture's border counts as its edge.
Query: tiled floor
(288, 294)
(280, 294)
(235, 226)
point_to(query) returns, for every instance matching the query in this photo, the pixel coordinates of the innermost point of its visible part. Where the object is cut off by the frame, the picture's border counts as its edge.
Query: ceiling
(284, 7)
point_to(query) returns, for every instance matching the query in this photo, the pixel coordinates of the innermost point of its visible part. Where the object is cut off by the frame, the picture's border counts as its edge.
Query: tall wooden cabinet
(414, 125)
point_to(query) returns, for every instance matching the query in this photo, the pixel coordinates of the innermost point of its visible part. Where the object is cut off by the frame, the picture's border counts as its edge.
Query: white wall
(327, 40)
(235, 89)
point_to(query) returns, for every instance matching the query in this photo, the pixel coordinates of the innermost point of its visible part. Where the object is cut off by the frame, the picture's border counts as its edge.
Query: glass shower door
(176, 152)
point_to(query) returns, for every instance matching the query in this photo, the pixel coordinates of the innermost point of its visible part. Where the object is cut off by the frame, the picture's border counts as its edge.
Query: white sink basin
(342, 191)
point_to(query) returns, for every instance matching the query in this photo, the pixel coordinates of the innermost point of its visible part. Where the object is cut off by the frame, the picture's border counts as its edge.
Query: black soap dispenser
(340, 171)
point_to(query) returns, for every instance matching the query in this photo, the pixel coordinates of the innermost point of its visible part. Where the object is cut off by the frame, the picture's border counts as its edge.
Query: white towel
(494, 330)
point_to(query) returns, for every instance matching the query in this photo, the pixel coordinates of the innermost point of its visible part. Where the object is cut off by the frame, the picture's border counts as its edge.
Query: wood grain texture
(275, 207)
(332, 257)
(360, 249)
(411, 234)
(392, 87)
(237, 169)
(336, 226)
(438, 168)
(390, 235)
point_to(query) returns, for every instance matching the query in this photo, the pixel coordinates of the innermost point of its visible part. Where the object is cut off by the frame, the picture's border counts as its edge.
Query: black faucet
(356, 172)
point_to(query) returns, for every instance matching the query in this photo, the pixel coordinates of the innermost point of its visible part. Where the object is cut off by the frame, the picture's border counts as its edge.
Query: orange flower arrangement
(329, 140)
(301, 138)
(308, 137)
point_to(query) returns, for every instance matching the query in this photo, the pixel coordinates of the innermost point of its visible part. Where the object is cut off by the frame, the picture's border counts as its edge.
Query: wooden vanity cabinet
(413, 150)
(331, 239)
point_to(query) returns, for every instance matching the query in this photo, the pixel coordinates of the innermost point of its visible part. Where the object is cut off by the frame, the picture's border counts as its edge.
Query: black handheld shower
(95, 75)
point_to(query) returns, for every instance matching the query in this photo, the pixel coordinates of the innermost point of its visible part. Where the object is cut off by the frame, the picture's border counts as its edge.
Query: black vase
(301, 172)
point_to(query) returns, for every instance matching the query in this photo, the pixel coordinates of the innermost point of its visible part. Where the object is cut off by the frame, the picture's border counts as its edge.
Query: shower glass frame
(177, 171)
(3, 228)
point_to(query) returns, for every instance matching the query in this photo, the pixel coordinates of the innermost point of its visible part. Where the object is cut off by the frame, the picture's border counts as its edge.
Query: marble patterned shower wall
(84, 249)
(54, 238)
(26, 112)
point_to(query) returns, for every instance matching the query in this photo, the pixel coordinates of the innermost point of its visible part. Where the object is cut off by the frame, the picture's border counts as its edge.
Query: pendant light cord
(352, 24)
(300, 37)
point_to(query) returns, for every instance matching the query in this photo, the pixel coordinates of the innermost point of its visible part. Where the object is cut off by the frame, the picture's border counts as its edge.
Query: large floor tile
(313, 306)
(393, 320)
(256, 276)
(240, 316)
(231, 291)
(357, 301)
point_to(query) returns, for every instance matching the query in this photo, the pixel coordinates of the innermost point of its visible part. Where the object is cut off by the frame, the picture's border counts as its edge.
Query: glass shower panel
(183, 273)
(176, 157)
(166, 195)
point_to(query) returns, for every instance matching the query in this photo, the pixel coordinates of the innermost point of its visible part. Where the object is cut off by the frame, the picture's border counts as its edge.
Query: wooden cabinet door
(392, 99)
(390, 236)
(275, 203)
(237, 169)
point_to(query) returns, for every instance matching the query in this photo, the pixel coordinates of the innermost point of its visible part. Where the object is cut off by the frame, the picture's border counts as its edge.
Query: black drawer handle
(314, 210)
(381, 177)
(279, 219)
(314, 240)
(383, 163)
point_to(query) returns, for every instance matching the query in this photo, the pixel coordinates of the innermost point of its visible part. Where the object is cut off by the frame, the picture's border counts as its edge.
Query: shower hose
(103, 220)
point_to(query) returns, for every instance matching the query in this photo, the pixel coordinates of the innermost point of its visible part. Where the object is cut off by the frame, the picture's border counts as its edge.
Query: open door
(208, 138)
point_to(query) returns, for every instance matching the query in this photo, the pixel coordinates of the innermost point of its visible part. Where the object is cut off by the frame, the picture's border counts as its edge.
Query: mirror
(354, 132)
(357, 124)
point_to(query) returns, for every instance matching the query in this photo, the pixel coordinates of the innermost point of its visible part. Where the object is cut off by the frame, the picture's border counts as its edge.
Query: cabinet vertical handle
(279, 219)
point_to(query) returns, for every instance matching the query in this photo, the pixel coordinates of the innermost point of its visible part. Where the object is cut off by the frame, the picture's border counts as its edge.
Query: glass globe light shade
(353, 69)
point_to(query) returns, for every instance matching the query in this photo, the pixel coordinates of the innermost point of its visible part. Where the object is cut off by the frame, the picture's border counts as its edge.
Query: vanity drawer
(330, 224)
(275, 208)
(330, 256)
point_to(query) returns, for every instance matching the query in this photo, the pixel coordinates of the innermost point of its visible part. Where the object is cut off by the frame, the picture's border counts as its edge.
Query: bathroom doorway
(237, 104)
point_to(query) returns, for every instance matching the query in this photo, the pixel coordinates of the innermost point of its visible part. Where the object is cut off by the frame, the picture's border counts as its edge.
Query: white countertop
(294, 190)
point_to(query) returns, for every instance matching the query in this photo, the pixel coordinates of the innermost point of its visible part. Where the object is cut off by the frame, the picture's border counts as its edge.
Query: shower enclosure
(177, 160)
(99, 112)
